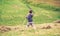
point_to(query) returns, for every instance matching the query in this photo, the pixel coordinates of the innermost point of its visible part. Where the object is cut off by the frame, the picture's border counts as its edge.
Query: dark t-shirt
(29, 17)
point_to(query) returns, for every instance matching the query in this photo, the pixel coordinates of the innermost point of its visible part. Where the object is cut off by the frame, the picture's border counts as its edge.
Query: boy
(29, 18)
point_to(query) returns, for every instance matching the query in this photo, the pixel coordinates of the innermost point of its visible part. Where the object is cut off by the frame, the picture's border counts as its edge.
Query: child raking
(30, 19)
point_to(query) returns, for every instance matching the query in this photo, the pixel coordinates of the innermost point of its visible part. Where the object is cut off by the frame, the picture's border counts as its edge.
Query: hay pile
(47, 27)
(4, 29)
(57, 21)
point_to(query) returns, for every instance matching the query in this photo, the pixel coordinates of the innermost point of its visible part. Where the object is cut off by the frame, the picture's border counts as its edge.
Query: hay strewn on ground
(39, 26)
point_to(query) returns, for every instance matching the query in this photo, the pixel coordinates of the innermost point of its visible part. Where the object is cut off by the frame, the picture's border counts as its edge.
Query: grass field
(13, 13)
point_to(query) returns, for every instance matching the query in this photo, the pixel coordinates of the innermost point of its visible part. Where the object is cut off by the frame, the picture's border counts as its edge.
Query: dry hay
(57, 21)
(21, 28)
(50, 25)
(46, 27)
(4, 29)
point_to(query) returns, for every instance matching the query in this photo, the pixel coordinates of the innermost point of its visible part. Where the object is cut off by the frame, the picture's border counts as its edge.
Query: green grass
(13, 12)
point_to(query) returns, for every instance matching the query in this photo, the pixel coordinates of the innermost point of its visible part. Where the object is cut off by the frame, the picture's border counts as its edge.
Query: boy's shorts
(30, 23)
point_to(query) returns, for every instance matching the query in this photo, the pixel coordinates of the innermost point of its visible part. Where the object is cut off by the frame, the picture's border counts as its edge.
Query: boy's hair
(30, 11)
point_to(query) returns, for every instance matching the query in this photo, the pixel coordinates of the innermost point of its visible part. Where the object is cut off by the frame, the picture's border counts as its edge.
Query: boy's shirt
(29, 17)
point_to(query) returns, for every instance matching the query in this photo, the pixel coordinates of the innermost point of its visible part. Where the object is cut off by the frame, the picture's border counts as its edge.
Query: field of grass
(13, 13)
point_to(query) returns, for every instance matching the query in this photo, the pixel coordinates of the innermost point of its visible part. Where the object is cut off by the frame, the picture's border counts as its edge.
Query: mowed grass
(22, 31)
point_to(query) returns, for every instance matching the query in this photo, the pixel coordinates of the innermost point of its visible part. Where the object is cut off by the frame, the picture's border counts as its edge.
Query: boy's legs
(27, 25)
(30, 23)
